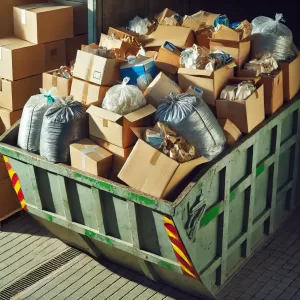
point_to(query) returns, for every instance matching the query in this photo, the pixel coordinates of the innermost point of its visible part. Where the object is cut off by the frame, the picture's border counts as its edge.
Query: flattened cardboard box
(8, 118)
(13, 66)
(210, 82)
(97, 69)
(232, 133)
(15, 94)
(88, 93)
(55, 56)
(291, 78)
(159, 88)
(245, 114)
(62, 85)
(90, 158)
(43, 23)
(115, 128)
(120, 156)
(73, 45)
(150, 171)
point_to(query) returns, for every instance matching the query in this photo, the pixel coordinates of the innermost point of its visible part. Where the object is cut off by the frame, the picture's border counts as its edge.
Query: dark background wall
(120, 12)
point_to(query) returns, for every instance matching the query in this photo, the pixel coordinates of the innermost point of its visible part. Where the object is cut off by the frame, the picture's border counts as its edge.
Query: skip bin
(195, 243)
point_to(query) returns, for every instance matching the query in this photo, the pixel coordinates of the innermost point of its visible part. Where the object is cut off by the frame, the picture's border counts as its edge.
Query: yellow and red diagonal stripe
(15, 183)
(179, 249)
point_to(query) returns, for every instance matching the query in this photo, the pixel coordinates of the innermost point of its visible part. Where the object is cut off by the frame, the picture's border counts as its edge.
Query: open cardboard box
(225, 33)
(210, 82)
(124, 34)
(115, 128)
(167, 13)
(150, 171)
(245, 114)
(197, 20)
(62, 85)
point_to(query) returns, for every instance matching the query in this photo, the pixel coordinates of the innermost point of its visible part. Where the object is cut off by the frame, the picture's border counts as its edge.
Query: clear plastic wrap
(123, 99)
(64, 123)
(144, 81)
(139, 25)
(190, 117)
(32, 119)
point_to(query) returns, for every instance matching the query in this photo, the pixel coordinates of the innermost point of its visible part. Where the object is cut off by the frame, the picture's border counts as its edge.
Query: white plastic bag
(139, 25)
(123, 99)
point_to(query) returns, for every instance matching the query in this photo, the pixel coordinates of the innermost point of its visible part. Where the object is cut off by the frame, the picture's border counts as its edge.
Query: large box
(97, 69)
(80, 15)
(8, 118)
(181, 37)
(62, 85)
(14, 94)
(20, 59)
(245, 114)
(150, 171)
(88, 93)
(159, 88)
(43, 23)
(291, 78)
(73, 45)
(120, 156)
(55, 56)
(115, 128)
(210, 82)
(91, 158)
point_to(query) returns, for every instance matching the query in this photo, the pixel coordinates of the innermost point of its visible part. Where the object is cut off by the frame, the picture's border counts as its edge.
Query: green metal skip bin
(195, 243)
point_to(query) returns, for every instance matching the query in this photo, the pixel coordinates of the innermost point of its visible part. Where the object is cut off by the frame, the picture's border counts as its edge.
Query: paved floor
(35, 265)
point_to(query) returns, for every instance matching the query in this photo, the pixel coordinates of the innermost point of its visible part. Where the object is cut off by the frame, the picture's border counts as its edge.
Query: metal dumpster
(195, 243)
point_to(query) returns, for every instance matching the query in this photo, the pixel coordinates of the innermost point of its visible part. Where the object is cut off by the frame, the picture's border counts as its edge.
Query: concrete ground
(35, 265)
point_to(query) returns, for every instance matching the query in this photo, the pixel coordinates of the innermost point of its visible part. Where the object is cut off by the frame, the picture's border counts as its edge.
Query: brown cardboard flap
(226, 33)
(166, 13)
(140, 113)
(194, 72)
(103, 113)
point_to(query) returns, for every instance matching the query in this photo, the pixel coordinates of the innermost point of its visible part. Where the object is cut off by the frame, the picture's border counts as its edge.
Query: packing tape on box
(54, 81)
(85, 93)
(155, 158)
(105, 123)
(86, 151)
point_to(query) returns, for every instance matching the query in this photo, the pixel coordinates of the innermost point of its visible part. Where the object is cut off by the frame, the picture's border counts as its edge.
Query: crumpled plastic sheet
(139, 25)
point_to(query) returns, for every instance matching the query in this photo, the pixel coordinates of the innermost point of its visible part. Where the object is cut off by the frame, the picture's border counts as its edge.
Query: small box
(20, 59)
(120, 156)
(245, 114)
(115, 128)
(8, 118)
(73, 45)
(239, 51)
(232, 133)
(141, 66)
(43, 23)
(55, 56)
(291, 78)
(90, 158)
(15, 94)
(124, 34)
(62, 85)
(197, 20)
(152, 172)
(181, 37)
(80, 15)
(96, 69)
(168, 58)
(210, 82)
(88, 93)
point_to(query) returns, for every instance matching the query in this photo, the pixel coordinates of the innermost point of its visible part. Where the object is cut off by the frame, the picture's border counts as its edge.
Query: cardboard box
(80, 15)
(168, 58)
(291, 78)
(245, 114)
(150, 171)
(55, 56)
(43, 23)
(159, 88)
(90, 158)
(62, 85)
(141, 66)
(3, 169)
(73, 45)
(225, 33)
(210, 82)
(194, 91)
(8, 118)
(197, 20)
(120, 156)
(203, 37)
(88, 93)
(239, 51)
(232, 133)
(14, 94)
(9, 203)
(124, 34)
(181, 37)
(125, 49)
(115, 128)
(96, 69)
(166, 13)
(13, 65)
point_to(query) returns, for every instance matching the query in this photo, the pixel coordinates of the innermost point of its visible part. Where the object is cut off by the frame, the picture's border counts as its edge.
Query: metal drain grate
(38, 274)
